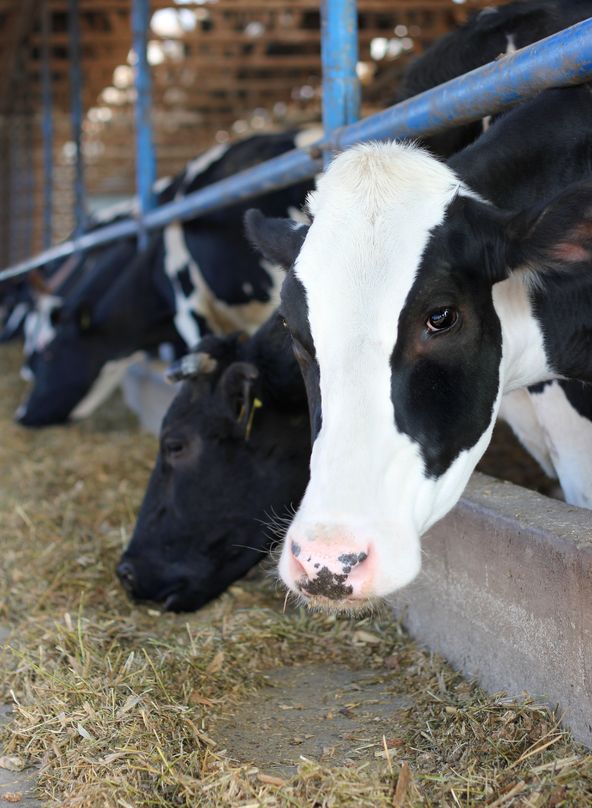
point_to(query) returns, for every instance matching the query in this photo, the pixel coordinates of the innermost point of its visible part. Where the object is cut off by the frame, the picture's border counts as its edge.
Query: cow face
(125, 306)
(234, 450)
(390, 306)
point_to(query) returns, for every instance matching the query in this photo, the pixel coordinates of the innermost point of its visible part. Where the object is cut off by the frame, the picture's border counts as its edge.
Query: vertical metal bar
(47, 125)
(76, 111)
(145, 153)
(14, 143)
(28, 185)
(339, 52)
(4, 190)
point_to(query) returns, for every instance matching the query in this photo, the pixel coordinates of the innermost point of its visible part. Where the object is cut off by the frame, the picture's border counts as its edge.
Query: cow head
(407, 333)
(234, 450)
(123, 305)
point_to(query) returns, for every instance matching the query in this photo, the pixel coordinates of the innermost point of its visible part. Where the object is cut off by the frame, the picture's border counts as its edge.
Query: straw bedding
(120, 705)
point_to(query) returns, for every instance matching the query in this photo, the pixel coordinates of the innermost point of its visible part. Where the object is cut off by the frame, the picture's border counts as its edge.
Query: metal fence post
(339, 54)
(145, 154)
(47, 125)
(76, 107)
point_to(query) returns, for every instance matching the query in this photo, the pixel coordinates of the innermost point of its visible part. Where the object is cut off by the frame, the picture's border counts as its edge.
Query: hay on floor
(124, 706)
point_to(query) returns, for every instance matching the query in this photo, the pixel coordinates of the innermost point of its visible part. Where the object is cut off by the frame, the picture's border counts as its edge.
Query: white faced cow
(419, 295)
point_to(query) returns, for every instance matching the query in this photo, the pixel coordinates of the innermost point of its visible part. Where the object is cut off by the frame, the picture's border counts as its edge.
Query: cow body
(488, 34)
(234, 450)
(420, 294)
(194, 278)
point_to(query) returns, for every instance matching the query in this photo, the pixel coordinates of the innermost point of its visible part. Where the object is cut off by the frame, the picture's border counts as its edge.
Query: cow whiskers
(248, 547)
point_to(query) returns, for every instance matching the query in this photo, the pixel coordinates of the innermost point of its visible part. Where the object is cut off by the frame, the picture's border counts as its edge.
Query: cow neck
(520, 162)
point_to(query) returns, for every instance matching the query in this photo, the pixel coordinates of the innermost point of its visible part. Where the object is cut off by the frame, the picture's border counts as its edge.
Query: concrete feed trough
(506, 588)
(506, 596)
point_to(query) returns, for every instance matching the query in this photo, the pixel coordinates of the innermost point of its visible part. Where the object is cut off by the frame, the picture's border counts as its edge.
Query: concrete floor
(15, 787)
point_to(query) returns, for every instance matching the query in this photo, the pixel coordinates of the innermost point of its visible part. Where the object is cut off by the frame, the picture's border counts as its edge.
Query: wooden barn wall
(247, 65)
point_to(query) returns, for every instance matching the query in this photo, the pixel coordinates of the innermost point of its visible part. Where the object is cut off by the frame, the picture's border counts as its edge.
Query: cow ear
(557, 236)
(238, 385)
(278, 240)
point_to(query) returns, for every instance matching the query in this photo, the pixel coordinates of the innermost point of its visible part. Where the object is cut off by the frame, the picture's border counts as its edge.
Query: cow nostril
(298, 568)
(125, 573)
(336, 573)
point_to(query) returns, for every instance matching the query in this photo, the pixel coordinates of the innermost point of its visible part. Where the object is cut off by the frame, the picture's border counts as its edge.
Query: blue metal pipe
(47, 125)
(16, 138)
(558, 61)
(76, 111)
(28, 178)
(145, 154)
(339, 55)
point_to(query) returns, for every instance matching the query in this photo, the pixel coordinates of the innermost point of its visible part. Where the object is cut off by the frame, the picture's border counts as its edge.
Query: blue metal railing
(560, 60)
(339, 56)
(145, 155)
(76, 112)
(47, 124)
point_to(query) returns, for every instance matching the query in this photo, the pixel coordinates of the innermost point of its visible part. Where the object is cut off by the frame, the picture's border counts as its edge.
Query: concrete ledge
(147, 394)
(506, 589)
(506, 596)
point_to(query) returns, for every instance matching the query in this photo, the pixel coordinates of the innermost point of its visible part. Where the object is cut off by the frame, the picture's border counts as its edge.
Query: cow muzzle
(338, 567)
(334, 570)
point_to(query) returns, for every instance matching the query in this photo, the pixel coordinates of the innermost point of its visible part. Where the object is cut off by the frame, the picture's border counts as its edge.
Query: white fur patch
(518, 411)
(39, 330)
(568, 437)
(524, 361)
(200, 164)
(16, 316)
(306, 137)
(176, 257)
(221, 317)
(111, 374)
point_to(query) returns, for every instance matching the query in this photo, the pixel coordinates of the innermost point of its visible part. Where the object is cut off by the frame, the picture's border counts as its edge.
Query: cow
(33, 305)
(512, 25)
(421, 293)
(488, 34)
(94, 321)
(194, 278)
(538, 417)
(234, 451)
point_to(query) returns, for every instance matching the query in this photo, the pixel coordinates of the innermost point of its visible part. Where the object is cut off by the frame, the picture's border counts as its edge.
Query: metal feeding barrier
(557, 61)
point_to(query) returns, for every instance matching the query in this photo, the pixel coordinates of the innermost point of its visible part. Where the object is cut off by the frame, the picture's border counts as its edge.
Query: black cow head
(234, 449)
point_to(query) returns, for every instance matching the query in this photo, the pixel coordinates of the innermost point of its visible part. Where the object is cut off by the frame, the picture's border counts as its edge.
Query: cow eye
(442, 319)
(173, 447)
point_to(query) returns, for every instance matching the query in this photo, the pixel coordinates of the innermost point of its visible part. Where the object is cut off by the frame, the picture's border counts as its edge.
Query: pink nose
(335, 571)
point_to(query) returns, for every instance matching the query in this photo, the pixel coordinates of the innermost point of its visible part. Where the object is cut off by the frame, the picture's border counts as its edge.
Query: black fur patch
(185, 282)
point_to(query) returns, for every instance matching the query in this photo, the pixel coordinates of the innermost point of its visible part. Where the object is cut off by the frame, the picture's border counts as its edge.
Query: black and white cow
(195, 277)
(488, 34)
(419, 295)
(538, 417)
(234, 451)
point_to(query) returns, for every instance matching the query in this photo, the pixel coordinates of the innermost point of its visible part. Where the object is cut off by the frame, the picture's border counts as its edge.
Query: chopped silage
(120, 705)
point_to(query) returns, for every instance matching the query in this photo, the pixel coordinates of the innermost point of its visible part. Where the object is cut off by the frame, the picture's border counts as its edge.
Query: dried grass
(119, 704)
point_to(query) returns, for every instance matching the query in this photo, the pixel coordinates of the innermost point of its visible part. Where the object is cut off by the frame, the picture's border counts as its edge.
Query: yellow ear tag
(257, 403)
